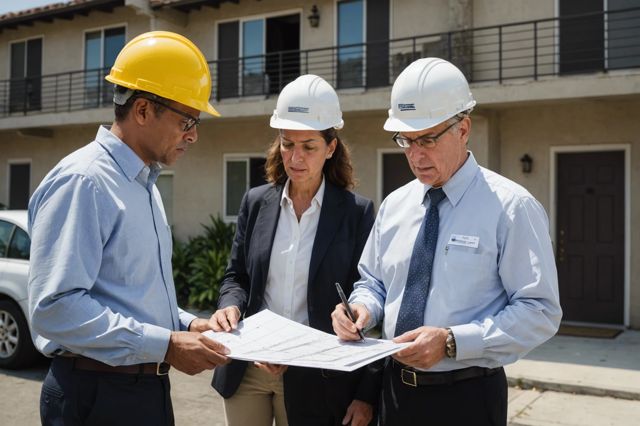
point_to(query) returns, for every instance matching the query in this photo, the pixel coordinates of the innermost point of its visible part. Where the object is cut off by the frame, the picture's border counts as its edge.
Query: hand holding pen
(345, 304)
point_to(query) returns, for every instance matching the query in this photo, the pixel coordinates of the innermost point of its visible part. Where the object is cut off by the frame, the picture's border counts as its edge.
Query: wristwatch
(450, 345)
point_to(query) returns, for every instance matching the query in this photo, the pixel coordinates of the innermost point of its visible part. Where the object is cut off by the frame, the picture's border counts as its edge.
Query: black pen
(347, 308)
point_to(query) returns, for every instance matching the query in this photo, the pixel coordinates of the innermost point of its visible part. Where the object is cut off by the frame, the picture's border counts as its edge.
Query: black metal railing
(593, 42)
(61, 92)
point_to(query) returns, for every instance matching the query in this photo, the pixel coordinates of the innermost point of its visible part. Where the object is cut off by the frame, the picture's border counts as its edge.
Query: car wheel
(16, 347)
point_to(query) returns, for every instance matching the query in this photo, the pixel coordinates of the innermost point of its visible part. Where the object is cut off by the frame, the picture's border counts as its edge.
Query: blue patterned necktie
(414, 300)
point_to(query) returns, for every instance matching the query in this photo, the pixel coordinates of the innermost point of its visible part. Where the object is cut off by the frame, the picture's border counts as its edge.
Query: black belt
(412, 377)
(88, 364)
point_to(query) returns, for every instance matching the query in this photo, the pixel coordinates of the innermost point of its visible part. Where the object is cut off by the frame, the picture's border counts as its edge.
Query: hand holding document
(268, 337)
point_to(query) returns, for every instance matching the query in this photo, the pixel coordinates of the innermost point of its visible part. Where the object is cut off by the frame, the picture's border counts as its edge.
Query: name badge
(464, 240)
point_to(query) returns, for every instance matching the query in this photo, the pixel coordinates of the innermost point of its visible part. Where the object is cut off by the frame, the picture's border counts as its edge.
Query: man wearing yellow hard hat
(102, 301)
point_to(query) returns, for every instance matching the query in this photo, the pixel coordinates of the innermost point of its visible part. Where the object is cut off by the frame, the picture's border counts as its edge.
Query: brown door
(590, 236)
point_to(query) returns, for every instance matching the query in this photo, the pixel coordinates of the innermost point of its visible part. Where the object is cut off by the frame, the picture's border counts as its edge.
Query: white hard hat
(307, 103)
(426, 93)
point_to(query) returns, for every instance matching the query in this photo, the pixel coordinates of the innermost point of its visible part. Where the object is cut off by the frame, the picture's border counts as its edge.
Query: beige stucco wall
(500, 136)
(198, 179)
(43, 153)
(535, 129)
(497, 12)
(63, 40)
(418, 17)
(512, 119)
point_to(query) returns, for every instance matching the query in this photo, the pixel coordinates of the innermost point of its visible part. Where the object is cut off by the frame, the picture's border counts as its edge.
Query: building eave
(48, 13)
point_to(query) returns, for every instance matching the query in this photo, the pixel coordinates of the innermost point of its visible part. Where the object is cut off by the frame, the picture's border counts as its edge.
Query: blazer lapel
(330, 218)
(264, 233)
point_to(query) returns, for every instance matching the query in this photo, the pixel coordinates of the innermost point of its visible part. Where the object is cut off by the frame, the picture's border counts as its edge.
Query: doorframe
(380, 152)
(626, 148)
(18, 161)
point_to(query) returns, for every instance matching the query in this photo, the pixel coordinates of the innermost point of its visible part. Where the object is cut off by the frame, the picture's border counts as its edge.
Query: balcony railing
(594, 42)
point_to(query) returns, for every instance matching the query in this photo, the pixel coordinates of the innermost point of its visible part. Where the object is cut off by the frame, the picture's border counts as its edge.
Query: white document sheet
(268, 337)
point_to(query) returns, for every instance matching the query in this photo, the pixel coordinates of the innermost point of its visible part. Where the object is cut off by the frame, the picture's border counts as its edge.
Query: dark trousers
(315, 397)
(72, 397)
(478, 401)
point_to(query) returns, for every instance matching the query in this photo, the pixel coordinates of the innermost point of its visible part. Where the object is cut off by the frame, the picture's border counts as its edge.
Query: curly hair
(337, 169)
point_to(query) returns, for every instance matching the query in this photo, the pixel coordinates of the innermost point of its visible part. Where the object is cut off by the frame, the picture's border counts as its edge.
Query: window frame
(18, 161)
(24, 40)
(241, 20)
(171, 173)
(246, 157)
(103, 92)
(380, 153)
(364, 41)
(102, 29)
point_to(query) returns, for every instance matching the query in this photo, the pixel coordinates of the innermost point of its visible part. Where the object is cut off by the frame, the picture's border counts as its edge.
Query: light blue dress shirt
(494, 277)
(101, 281)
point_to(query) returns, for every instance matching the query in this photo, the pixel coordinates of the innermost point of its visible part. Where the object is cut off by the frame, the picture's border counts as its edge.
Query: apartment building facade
(557, 84)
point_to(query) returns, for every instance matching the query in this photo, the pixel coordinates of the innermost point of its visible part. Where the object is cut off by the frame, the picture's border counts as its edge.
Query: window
(241, 173)
(250, 55)
(20, 245)
(394, 171)
(19, 182)
(623, 32)
(350, 31)
(253, 52)
(6, 229)
(596, 35)
(101, 48)
(25, 93)
(165, 187)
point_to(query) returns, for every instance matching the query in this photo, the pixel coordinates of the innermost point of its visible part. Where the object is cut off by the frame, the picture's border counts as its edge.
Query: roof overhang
(187, 5)
(67, 10)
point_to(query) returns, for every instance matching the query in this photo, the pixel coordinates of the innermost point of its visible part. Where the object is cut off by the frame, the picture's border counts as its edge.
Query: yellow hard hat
(165, 64)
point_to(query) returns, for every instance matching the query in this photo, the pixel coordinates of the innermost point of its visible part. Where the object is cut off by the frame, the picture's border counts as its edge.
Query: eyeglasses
(189, 122)
(422, 141)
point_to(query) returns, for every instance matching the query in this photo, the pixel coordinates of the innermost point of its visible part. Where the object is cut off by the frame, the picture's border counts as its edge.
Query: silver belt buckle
(409, 377)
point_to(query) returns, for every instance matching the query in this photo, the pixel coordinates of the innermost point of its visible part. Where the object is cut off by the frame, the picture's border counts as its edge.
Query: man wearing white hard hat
(296, 237)
(459, 264)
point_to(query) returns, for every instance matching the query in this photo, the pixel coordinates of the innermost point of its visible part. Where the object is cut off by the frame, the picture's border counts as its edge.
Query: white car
(16, 347)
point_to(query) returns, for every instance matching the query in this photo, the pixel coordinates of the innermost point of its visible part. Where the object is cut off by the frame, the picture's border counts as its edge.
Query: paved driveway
(195, 403)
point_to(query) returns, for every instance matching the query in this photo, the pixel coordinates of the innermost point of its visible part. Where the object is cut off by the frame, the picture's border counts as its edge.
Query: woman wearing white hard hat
(297, 237)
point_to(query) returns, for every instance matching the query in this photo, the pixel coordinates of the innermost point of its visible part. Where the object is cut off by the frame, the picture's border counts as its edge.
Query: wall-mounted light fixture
(314, 18)
(527, 163)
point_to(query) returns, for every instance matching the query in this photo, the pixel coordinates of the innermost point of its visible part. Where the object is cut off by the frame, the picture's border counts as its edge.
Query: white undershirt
(286, 289)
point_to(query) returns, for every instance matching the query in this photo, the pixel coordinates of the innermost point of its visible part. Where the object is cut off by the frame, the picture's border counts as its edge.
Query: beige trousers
(258, 401)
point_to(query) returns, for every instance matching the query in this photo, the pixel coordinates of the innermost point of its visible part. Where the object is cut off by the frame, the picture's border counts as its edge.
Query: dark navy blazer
(343, 228)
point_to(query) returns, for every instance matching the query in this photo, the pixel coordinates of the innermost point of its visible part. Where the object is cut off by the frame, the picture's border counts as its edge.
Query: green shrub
(199, 264)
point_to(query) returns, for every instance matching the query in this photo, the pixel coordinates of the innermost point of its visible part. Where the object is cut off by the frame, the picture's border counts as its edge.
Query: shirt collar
(148, 175)
(317, 199)
(457, 184)
(131, 165)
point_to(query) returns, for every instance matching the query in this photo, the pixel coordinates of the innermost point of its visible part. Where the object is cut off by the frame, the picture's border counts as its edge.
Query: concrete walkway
(588, 366)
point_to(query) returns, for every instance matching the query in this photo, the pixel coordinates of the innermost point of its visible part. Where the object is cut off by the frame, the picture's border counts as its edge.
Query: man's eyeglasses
(189, 120)
(422, 141)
